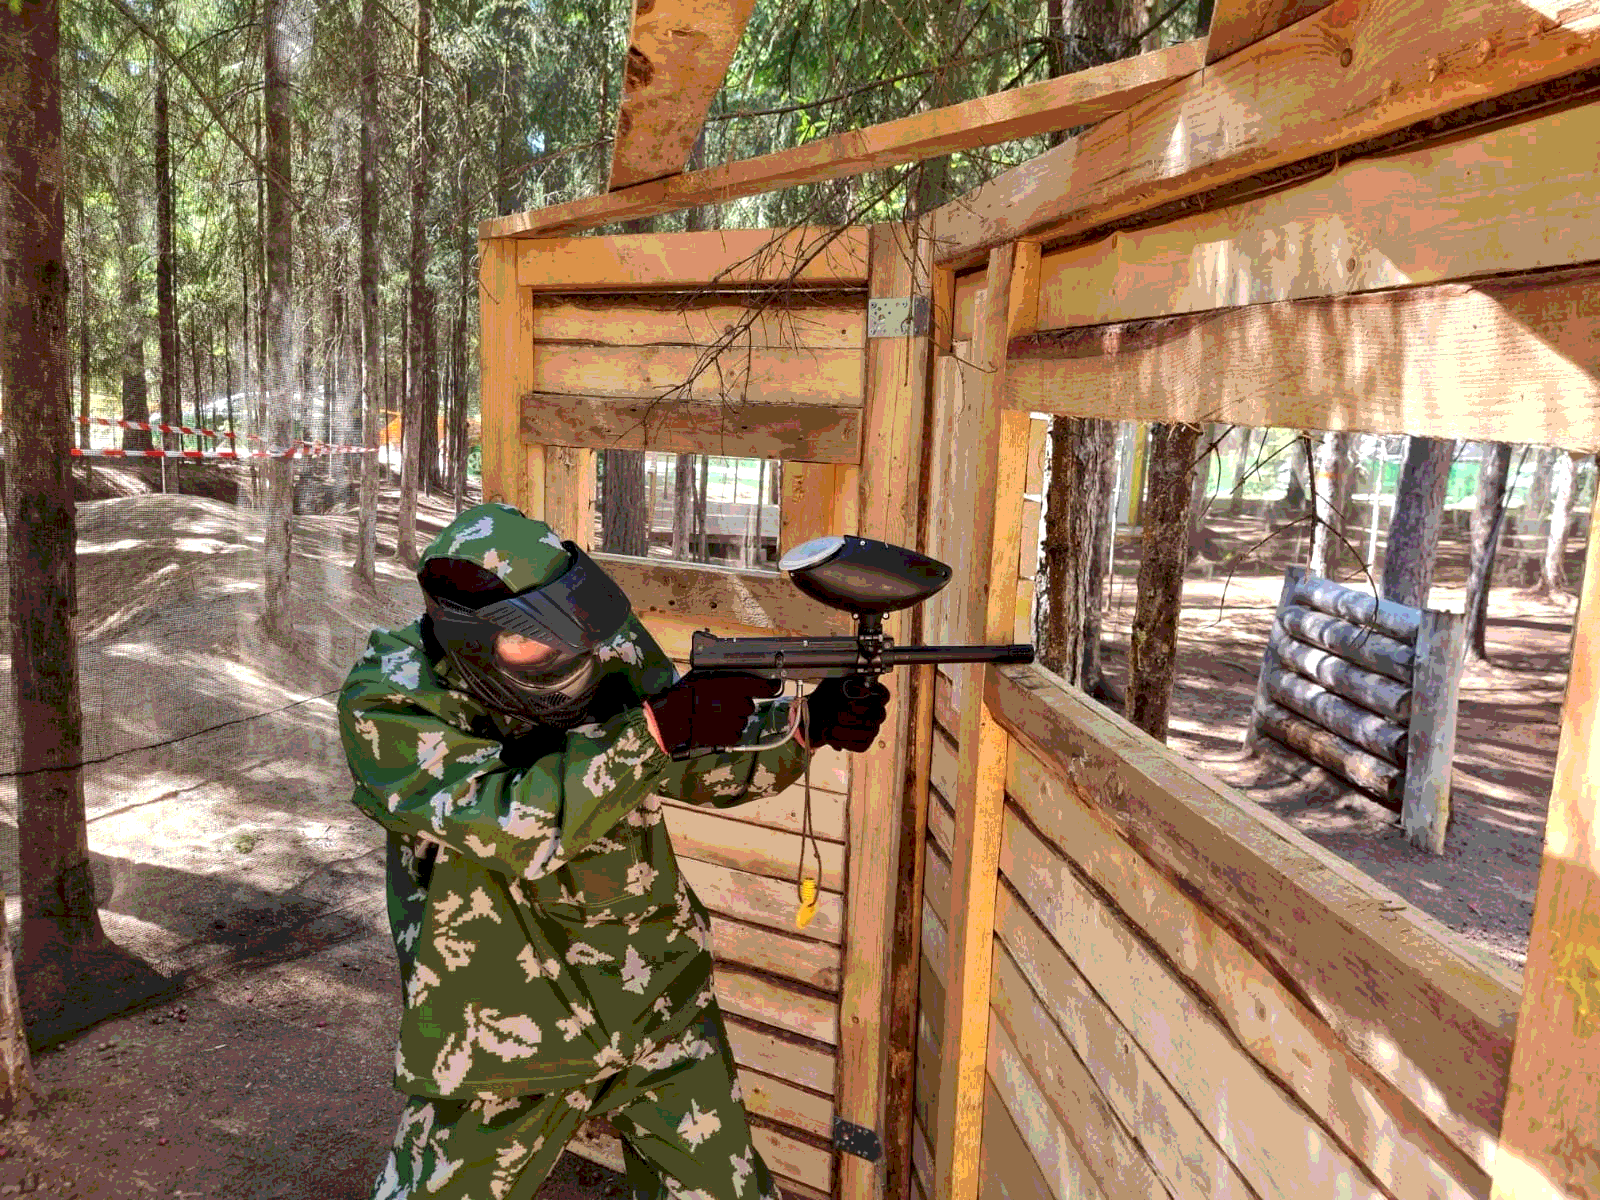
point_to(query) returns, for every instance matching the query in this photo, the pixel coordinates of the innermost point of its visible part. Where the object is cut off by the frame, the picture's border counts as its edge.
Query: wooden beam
(512, 472)
(1513, 358)
(1236, 24)
(678, 54)
(1027, 111)
(814, 432)
(732, 258)
(1353, 72)
(995, 475)
(1550, 1134)
(737, 375)
(1401, 992)
(692, 591)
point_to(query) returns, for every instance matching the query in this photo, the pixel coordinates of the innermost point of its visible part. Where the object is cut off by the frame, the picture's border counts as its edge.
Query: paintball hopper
(861, 576)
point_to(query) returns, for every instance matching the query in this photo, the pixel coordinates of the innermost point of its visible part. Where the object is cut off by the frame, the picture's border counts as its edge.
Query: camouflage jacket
(544, 932)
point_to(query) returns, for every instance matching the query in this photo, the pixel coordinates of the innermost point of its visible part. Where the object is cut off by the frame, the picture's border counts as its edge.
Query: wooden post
(890, 475)
(997, 472)
(1431, 736)
(1551, 1127)
(512, 472)
(1252, 733)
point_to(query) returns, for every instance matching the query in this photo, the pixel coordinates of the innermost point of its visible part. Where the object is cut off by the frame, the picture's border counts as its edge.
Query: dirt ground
(228, 857)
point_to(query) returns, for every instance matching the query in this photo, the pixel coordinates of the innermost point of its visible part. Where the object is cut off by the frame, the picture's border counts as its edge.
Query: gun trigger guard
(856, 687)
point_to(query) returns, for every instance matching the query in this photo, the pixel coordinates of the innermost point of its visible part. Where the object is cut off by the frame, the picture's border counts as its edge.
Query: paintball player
(554, 963)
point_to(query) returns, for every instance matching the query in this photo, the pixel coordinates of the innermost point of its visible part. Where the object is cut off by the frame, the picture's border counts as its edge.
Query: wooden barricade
(1367, 689)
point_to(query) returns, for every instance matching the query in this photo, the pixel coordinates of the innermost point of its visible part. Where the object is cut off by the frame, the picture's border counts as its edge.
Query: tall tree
(1247, 446)
(371, 329)
(1415, 521)
(1533, 515)
(279, 316)
(166, 268)
(61, 928)
(1332, 481)
(1553, 568)
(413, 437)
(1488, 517)
(135, 384)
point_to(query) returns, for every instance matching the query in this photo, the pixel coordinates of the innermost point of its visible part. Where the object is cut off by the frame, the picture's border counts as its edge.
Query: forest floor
(227, 856)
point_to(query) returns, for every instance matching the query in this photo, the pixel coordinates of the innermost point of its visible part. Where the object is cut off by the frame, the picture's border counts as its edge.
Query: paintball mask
(533, 656)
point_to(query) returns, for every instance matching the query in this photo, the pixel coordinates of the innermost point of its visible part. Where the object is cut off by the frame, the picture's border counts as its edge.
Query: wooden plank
(815, 320)
(1236, 24)
(511, 473)
(768, 1001)
(926, 1099)
(1278, 1147)
(783, 810)
(1551, 1125)
(808, 256)
(757, 900)
(1431, 739)
(1009, 1171)
(818, 500)
(821, 432)
(1518, 197)
(896, 388)
(1049, 1145)
(1112, 1155)
(781, 1101)
(758, 599)
(1351, 73)
(1398, 621)
(597, 1141)
(793, 1156)
(1371, 774)
(1412, 1003)
(735, 376)
(1185, 1156)
(1026, 111)
(1376, 692)
(1513, 358)
(922, 1158)
(711, 837)
(814, 963)
(678, 53)
(786, 1056)
(569, 493)
(995, 472)
(936, 891)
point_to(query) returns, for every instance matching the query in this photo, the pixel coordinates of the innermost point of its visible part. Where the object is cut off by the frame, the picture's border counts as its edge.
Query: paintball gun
(862, 577)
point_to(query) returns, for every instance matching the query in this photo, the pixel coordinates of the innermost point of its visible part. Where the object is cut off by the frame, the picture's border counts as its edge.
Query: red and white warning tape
(158, 427)
(300, 450)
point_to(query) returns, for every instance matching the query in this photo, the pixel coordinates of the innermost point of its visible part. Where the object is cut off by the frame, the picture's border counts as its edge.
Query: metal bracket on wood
(856, 1139)
(898, 316)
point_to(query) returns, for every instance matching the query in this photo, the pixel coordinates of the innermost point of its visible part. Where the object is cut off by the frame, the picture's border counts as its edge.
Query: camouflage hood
(523, 552)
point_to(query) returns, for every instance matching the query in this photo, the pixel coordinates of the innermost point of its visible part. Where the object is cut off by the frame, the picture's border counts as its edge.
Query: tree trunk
(1242, 466)
(413, 439)
(1531, 519)
(85, 297)
(135, 385)
(624, 527)
(1414, 523)
(19, 1090)
(1488, 516)
(371, 331)
(1153, 642)
(279, 616)
(1200, 491)
(682, 504)
(60, 923)
(1077, 510)
(1553, 570)
(702, 540)
(1331, 481)
(166, 285)
(458, 410)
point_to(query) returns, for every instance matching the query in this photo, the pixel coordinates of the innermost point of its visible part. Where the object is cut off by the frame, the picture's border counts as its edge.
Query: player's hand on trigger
(706, 711)
(845, 714)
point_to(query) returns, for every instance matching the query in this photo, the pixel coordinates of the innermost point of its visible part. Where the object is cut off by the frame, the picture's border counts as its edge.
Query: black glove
(703, 712)
(834, 718)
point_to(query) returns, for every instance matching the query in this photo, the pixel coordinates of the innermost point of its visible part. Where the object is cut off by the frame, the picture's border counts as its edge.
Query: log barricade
(1365, 688)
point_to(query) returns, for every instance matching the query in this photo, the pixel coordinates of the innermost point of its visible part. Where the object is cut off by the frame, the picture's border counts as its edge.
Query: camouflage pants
(683, 1129)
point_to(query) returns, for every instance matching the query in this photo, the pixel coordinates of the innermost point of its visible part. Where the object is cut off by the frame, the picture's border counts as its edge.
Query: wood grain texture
(678, 53)
(781, 1101)
(1263, 698)
(1378, 693)
(1236, 24)
(758, 900)
(569, 493)
(712, 837)
(786, 1056)
(512, 472)
(1552, 1126)
(810, 962)
(817, 500)
(1356, 70)
(1381, 780)
(1513, 358)
(1407, 998)
(772, 1001)
(692, 591)
(734, 376)
(1026, 111)
(1051, 1147)
(804, 257)
(782, 810)
(1431, 737)
(1009, 1171)
(813, 320)
(1519, 197)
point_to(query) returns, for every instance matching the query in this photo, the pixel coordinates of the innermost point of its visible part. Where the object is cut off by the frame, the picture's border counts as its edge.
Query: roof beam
(677, 57)
(1346, 75)
(1021, 112)
(1236, 24)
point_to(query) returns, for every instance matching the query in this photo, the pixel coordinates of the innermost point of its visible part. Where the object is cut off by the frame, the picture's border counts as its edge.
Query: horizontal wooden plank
(1236, 24)
(814, 432)
(1112, 1155)
(763, 1049)
(1277, 1146)
(598, 1142)
(1402, 993)
(813, 963)
(1381, 780)
(708, 836)
(725, 258)
(781, 1101)
(1059, 1161)
(734, 376)
(757, 900)
(1037, 108)
(819, 320)
(793, 1157)
(936, 883)
(764, 600)
(941, 824)
(1515, 359)
(1187, 1158)
(1006, 1166)
(1371, 650)
(769, 1001)
(784, 810)
(1516, 198)
(1349, 74)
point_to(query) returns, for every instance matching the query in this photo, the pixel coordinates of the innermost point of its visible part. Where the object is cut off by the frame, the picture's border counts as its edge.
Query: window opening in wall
(688, 507)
